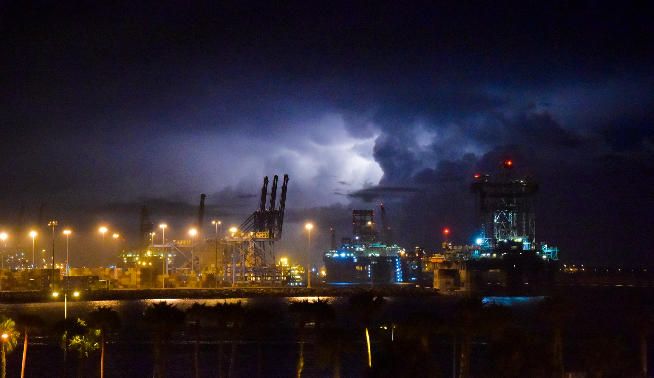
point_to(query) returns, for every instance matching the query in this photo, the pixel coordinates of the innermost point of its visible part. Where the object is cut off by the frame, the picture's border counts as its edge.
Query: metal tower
(506, 207)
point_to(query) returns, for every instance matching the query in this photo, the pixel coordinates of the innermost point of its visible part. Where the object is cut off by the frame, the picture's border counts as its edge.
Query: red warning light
(508, 163)
(446, 231)
(477, 175)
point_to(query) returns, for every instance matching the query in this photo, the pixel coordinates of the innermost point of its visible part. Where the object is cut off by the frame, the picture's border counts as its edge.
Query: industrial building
(363, 258)
(506, 255)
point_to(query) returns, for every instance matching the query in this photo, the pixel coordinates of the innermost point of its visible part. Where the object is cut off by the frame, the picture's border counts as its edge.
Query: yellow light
(233, 230)
(192, 232)
(214, 222)
(115, 235)
(3, 236)
(33, 234)
(55, 294)
(5, 336)
(67, 232)
(75, 294)
(368, 344)
(308, 226)
(103, 230)
(283, 261)
(163, 226)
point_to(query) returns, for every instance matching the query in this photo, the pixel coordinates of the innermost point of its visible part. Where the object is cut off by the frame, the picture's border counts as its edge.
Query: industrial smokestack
(146, 226)
(333, 240)
(201, 212)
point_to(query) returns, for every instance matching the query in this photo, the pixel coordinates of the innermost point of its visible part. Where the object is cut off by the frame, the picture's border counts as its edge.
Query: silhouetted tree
(163, 319)
(365, 307)
(332, 344)
(9, 338)
(106, 320)
(197, 316)
(84, 343)
(27, 323)
(229, 316)
(258, 324)
(555, 312)
(76, 335)
(308, 314)
(466, 321)
(67, 328)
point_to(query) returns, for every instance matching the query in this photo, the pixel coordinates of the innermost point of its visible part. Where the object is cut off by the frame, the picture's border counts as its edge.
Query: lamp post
(163, 227)
(53, 223)
(33, 235)
(216, 223)
(164, 256)
(103, 230)
(67, 233)
(233, 231)
(193, 232)
(55, 295)
(308, 226)
(3, 236)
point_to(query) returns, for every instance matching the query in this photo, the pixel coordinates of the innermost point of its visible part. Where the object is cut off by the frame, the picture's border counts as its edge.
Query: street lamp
(115, 236)
(193, 232)
(164, 256)
(216, 224)
(67, 232)
(55, 295)
(233, 230)
(3, 236)
(163, 227)
(103, 230)
(53, 223)
(33, 235)
(308, 226)
(5, 338)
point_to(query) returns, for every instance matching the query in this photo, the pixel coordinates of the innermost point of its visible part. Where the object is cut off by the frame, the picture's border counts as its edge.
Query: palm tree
(68, 328)
(84, 343)
(227, 316)
(259, 321)
(235, 321)
(555, 313)
(27, 322)
(106, 320)
(307, 314)
(163, 319)
(9, 338)
(197, 315)
(331, 345)
(365, 307)
(466, 319)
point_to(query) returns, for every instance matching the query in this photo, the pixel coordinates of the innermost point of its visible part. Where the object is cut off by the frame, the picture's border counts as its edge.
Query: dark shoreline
(213, 293)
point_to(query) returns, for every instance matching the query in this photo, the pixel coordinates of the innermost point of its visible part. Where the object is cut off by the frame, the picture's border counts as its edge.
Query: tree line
(468, 338)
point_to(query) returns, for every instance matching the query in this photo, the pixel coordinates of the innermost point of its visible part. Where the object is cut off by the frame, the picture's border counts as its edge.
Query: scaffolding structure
(506, 208)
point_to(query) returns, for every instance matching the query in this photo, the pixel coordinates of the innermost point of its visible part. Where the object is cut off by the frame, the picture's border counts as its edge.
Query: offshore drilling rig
(506, 255)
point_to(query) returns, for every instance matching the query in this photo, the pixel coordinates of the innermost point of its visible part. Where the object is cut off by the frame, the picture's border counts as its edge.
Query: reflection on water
(511, 301)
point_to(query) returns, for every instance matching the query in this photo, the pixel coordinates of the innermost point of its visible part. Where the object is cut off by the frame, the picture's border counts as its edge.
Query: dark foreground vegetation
(360, 335)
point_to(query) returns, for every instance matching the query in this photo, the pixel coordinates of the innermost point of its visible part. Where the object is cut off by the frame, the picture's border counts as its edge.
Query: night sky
(105, 108)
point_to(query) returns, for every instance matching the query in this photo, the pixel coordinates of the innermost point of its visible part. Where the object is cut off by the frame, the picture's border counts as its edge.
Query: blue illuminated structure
(363, 259)
(364, 263)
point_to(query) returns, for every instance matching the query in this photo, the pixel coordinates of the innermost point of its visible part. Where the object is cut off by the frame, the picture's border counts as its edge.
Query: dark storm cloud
(372, 193)
(155, 102)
